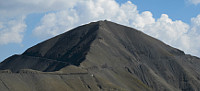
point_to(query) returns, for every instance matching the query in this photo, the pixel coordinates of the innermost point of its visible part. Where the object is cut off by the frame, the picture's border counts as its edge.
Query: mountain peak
(115, 53)
(72, 47)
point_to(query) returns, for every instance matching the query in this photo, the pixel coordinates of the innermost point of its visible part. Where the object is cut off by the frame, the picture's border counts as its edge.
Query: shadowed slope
(55, 53)
(70, 47)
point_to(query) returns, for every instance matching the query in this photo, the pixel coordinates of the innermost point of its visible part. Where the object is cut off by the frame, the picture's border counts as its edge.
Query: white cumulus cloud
(165, 29)
(12, 31)
(194, 35)
(174, 33)
(83, 12)
(194, 1)
(196, 23)
(10, 8)
(56, 23)
(12, 27)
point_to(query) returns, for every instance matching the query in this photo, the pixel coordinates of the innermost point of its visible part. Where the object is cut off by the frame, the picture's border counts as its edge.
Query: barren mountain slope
(102, 56)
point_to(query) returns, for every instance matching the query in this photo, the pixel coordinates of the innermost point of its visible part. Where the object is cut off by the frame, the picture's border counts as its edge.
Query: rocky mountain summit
(101, 56)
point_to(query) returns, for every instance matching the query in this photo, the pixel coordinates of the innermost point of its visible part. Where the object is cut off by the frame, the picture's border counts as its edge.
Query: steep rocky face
(53, 54)
(114, 57)
(70, 47)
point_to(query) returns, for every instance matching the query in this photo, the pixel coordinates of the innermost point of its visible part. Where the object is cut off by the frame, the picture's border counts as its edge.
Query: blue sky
(25, 23)
(175, 9)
